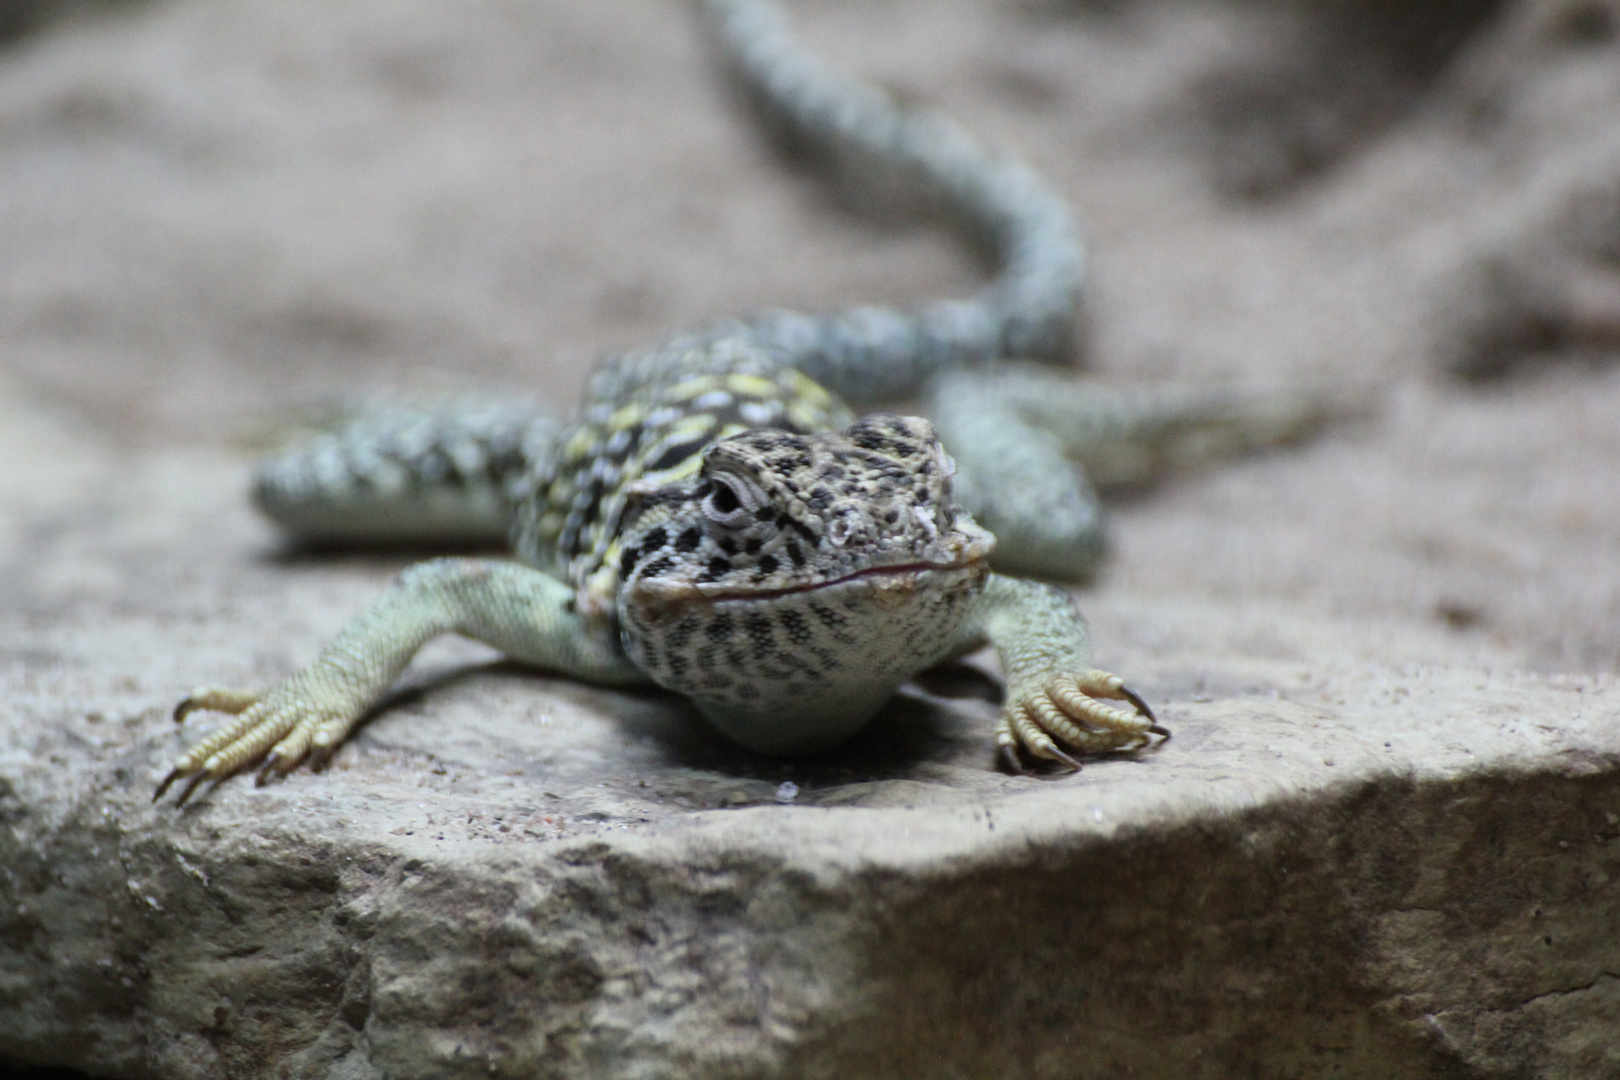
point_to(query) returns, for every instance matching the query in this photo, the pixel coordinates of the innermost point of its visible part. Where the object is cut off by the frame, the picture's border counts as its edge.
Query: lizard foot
(279, 727)
(1070, 709)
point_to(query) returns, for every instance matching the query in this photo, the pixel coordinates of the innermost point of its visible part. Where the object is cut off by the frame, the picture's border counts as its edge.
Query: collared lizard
(716, 520)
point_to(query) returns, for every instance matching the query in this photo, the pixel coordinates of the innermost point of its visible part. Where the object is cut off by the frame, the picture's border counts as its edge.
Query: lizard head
(792, 584)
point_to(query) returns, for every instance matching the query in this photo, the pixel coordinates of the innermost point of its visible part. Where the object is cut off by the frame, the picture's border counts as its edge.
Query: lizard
(718, 520)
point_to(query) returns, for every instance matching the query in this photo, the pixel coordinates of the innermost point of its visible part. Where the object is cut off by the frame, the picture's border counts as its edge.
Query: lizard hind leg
(1017, 480)
(1030, 442)
(444, 472)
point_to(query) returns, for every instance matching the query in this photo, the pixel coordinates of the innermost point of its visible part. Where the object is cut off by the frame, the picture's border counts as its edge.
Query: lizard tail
(871, 354)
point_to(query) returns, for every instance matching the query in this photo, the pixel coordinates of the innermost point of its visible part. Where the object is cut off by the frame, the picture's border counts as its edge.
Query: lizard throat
(795, 670)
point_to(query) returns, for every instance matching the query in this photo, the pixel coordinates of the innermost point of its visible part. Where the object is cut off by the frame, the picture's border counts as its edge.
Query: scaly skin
(716, 520)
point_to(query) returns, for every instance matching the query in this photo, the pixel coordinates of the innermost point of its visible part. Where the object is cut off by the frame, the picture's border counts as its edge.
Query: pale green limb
(1055, 698)
(1016, 479)
(526, 614)
(1029, 443)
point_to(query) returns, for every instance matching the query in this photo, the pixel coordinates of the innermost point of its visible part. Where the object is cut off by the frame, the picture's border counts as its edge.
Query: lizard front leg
(526, 614)
(1055, 697)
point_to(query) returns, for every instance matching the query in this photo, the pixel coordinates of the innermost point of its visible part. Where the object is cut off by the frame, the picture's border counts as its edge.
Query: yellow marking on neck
(679, 471)
(692, 388)
(629, 416)
(756, 386)
(691, 426)
(802, 386)
(582, 444)
(807, 417)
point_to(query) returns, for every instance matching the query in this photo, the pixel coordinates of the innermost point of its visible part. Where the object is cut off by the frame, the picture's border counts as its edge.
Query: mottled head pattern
(793, 582)
(647, 422)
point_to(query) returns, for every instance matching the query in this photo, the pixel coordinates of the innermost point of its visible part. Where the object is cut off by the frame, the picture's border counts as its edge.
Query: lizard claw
(271, 763)
(1011, 762)
(174, 774)
(1072, 710)
(1142, 707)
(1074, 766)
(196, 782)
(1154, 727)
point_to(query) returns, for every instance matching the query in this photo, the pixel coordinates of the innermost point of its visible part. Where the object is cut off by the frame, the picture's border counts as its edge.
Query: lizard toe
(1074, 712)
(215, 699)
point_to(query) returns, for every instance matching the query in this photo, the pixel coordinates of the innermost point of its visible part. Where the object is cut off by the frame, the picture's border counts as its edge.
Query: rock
(1384, 841)
(1384, 870)
(1389, 873)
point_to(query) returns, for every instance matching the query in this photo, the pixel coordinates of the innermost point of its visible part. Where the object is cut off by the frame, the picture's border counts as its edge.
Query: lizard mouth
(871, 573)
(880, 577)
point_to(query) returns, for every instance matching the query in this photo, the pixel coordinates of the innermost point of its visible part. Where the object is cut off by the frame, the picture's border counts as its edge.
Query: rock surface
(1385, 840)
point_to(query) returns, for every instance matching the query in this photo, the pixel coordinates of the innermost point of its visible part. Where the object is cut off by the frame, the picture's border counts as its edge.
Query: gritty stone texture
(1385, 839)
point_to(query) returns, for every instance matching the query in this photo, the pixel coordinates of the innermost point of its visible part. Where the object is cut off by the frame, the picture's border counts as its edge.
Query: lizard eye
(725, 500)
(725, 505)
